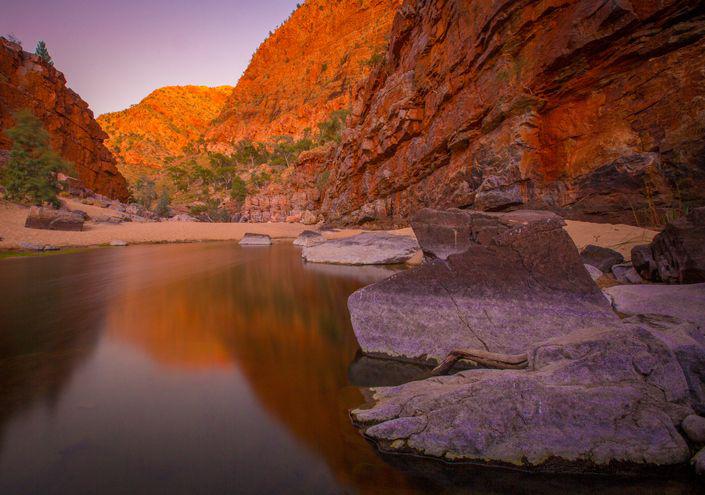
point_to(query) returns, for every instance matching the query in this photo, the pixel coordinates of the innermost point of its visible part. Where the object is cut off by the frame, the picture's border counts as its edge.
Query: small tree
(145, 191)
(238, 192)
(30, 173)
(43, 52)
(163, 203)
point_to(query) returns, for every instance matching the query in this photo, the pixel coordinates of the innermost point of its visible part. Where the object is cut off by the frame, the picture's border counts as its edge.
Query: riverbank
(13, 232)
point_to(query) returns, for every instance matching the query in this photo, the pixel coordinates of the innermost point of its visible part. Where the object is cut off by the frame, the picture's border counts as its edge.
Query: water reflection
(197, 369)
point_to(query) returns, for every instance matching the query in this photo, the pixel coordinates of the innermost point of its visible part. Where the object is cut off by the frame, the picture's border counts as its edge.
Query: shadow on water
(205, 368)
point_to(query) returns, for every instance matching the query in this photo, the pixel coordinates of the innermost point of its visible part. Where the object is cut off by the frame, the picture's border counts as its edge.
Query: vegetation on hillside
(213, 182)
(30, 173)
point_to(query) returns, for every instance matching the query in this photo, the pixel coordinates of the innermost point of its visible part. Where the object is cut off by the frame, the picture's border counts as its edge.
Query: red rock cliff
(163, 124)
(592, 108)
(305, 70)
(28, 82)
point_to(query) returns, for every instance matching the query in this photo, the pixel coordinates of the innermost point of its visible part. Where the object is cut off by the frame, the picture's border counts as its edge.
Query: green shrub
(331, 130)
(43, 52)
(238, 191)
(30, 173)
(163, 203)
(144, 191)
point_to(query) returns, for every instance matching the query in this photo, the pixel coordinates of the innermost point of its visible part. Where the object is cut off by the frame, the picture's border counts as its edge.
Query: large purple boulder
(499, 282)
(601, 399)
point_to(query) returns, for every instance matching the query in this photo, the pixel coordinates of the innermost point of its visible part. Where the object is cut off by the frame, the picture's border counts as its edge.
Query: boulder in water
(256, 240)
(601, 399)
(499, 282)
(309, 238)
(369, 248)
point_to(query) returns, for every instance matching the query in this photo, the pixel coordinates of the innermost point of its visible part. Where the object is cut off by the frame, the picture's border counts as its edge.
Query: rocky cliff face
(305, 70)
(28, 82)
(595, 109)
(166, 122)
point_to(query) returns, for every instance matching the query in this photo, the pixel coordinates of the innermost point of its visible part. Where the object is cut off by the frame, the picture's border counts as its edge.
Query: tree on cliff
(30, 173)
(43, 52)
(145, 191)
(162, 208)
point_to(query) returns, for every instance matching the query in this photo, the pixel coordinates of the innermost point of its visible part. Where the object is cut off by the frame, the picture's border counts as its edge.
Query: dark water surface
(203, 368)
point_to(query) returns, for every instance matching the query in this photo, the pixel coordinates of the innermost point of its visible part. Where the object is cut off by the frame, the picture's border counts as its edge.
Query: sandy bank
(13, 232)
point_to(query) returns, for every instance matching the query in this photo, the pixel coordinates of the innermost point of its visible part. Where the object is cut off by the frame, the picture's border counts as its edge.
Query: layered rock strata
(592, 109)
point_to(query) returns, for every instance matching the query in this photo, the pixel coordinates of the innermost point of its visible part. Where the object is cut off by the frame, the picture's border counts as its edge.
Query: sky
(115, 52)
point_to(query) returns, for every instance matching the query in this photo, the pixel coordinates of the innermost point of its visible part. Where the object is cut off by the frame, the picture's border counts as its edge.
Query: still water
(204, 368)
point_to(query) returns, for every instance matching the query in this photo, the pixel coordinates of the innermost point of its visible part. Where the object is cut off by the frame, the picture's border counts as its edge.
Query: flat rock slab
(368, 248)
(685, 302)
(495, 282)
(309, 238)
(51, 219)
(118, 243)
(256, 240)
(599, 399)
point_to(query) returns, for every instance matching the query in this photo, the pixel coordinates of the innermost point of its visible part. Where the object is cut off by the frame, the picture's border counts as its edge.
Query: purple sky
(114, 53)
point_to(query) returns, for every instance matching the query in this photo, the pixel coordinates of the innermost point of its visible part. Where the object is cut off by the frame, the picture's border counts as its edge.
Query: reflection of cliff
(48, 330)
(284, 326)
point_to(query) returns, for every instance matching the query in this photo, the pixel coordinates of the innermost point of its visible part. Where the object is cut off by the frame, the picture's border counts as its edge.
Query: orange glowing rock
(163, 124)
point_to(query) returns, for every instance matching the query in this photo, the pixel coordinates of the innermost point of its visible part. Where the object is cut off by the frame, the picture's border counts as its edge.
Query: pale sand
(12, 231)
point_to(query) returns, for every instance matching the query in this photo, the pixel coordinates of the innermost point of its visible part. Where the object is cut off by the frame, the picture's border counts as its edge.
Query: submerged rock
(604, 398)
(369, 248)
(256, 240)
(50, 219)
(309, 238)
(499, 282)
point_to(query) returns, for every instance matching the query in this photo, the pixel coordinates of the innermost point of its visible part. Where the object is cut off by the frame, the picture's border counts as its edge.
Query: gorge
(418, 246)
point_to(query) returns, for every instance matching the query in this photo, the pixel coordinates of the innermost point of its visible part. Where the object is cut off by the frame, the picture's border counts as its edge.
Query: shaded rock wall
(28, 82)
(593, 109)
